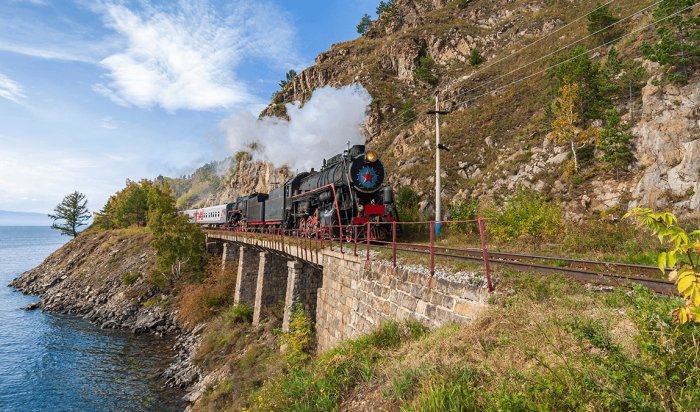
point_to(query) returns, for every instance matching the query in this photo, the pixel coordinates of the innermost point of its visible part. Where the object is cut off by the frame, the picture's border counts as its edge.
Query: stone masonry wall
(271, 285)
(357, 296)
(303, 283)
(247, 278)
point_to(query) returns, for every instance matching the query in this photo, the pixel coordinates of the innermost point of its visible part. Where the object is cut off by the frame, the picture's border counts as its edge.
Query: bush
(678, 46)
(464, 210)
(128, 278)
(526, 215)
(599, 22)
(407, 204)
(298, 341)
(239, 313)
(424, 71)
(199, 302)
(321, 384)
(475, 58)
(408, 113)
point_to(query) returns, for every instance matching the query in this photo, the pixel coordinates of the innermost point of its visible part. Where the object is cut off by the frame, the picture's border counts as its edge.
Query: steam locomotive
(340, 199)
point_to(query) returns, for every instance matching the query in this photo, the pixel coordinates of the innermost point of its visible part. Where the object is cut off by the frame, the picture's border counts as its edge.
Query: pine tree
(616, 143)
(385, 8)
(288, 77)
(600, 21)
(678, 45)
(475, 58)
(364, 24)
(73, 211)
(424, 71)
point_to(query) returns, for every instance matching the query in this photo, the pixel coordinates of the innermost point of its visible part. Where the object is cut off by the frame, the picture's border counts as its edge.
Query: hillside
(224, 181)
(499, 130)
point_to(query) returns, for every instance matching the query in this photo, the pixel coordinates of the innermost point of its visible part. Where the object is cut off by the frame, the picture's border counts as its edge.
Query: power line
(581, 54)
(558, 50)
(491, 64)
(567, 60)
(556, 65)
(395, 116)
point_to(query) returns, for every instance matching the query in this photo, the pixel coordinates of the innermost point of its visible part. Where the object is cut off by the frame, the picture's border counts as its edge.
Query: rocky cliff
(223, 182)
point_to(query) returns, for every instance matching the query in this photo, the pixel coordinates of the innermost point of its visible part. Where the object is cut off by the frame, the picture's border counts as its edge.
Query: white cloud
(34, 2)
(323, 126)
(107, 122)
(184, 57)
(10, 89)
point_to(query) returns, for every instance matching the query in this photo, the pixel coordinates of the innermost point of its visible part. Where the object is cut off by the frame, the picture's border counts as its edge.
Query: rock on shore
(102, 276)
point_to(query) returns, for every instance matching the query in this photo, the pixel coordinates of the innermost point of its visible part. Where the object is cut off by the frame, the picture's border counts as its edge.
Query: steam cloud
(320, 129)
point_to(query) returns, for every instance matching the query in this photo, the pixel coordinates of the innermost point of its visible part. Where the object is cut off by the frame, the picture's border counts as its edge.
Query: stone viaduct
(346, 295)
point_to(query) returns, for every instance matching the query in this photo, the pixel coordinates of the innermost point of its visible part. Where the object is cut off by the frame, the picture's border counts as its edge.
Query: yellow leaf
(671, 259)
(685, 283)
(680, 315)
(695, 297)
(696, 314)
(662, 261)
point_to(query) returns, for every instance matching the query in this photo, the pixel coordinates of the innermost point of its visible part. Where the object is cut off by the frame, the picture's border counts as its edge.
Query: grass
(546, 344)
(323, 383)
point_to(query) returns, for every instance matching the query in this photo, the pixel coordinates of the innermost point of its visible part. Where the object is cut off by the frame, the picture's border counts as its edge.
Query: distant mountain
(8, 218)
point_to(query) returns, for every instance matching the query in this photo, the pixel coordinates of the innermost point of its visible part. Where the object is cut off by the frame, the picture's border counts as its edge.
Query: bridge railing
(365, 239)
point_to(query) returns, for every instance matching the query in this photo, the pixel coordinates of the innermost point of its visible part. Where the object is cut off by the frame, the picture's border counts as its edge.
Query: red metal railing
(309, 241)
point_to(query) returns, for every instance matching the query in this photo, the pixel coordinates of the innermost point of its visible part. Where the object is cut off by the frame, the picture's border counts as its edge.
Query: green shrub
(526, 215)
(408, 113)
(407, 204)
(239, 313)
(475, 57)
(365, 22)
(424, 71)
(128, 278)
(465, 210)
(599, 22)
(677, 47)
(298, 341)
(320, 385)
(385, 9)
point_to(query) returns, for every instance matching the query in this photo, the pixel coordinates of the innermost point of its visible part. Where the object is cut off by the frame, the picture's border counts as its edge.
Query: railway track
(614, 274)
(583, 270)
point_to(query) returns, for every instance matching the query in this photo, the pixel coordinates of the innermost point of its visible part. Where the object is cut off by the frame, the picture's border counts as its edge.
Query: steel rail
(657, 285)
(509, 255)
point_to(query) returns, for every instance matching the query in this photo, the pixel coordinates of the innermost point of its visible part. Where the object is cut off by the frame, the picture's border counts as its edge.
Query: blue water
(63, 363)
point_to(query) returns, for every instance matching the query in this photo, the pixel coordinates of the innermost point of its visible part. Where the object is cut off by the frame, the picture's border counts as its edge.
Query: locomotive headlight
(371, 156)
(361, 208)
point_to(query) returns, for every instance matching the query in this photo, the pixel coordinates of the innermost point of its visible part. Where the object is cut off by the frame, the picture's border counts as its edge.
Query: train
(339, 199)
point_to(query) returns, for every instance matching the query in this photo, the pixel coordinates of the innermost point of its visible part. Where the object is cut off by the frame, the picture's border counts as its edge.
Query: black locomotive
(340, 199)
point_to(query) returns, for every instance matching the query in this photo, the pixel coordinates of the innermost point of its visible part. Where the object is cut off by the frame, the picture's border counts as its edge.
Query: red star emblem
(368, 177)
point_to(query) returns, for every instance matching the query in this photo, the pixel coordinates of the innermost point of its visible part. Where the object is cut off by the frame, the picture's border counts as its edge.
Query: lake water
(63, 363)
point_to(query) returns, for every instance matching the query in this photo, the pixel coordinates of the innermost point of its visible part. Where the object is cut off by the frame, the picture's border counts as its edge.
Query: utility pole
(438, 146)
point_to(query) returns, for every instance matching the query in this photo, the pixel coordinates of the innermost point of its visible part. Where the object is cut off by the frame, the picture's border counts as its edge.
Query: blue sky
(95, 92)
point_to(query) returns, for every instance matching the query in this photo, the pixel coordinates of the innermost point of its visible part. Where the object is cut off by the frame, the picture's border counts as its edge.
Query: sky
(95, 92)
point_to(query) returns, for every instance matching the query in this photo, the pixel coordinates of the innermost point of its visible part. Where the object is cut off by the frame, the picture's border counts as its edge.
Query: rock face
(249, 176)
(101, 276)
(668, 147)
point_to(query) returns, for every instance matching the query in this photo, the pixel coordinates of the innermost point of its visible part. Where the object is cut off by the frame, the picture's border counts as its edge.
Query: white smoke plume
(319, 129)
